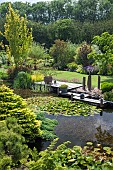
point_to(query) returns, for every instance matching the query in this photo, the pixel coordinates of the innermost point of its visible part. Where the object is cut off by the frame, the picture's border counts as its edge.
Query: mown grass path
(77, 77)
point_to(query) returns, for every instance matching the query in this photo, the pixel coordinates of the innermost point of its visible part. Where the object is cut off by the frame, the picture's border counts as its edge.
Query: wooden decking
(59, 83)
(70, 85)
(90, 101)
(73, 95)
(87, 99)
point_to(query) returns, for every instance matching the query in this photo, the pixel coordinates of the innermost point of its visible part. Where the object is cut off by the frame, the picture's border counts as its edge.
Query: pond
(80, 129)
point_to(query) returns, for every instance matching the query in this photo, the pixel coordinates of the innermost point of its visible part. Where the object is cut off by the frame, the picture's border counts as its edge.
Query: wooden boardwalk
(71, 86)
(73, 95)
(90, 100)
(76, 96)
(56, 85)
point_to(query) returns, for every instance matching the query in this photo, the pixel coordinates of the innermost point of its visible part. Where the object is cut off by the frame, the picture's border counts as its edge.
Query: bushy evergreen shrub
(12, 105)
(12, 144)
(13, 71)
(106, 86)
(108, 96)
(72, 66)
(23, 81)
(47, 126)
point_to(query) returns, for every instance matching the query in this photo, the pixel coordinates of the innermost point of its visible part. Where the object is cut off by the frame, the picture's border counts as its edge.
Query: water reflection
(103, 137)
(79, 129)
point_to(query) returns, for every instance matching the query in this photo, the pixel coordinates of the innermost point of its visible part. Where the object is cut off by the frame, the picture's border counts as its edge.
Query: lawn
(71, 76)
(77, 77)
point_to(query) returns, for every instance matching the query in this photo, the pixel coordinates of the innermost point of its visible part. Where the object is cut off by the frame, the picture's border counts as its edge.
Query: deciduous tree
(105, 57)
(63, 53)
(82, 55)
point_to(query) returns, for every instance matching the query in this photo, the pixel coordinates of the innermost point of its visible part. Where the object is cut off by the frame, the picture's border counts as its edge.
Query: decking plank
(59, 83)
(95, 101)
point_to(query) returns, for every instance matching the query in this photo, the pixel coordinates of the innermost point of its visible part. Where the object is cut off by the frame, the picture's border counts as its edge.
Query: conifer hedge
(12, 105)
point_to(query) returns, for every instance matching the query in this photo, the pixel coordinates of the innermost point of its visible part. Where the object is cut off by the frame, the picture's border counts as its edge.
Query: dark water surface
(80, 129)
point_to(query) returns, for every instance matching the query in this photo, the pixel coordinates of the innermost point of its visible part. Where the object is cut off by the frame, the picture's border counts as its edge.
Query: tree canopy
(104, 57)
(76, 21)
(62, 53)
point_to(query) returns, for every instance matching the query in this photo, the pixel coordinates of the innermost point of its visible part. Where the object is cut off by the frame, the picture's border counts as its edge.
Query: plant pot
(48, 79)
(63, 90)
(82, 96)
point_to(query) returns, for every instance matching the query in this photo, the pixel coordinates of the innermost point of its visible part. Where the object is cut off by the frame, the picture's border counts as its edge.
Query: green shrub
(3, 57)
(72, 66)
(108, 96)
(76, 158)
(3, 76)
(12, 105)
(13, 71)
(106, 87)
(12, 144)
(47, 126)
(23, 81)
(80, 69)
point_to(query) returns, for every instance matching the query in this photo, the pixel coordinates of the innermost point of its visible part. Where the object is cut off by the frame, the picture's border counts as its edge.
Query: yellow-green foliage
(18, 36)
(12, 105)
(37, 77)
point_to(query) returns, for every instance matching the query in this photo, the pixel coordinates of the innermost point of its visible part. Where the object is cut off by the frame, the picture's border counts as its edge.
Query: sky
(31, 1)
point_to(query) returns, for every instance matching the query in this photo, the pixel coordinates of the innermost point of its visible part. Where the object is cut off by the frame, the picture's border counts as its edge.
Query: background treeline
(76, 21)
(81, 10)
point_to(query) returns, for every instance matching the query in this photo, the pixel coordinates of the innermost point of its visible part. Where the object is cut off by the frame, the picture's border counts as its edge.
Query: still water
(80, 129)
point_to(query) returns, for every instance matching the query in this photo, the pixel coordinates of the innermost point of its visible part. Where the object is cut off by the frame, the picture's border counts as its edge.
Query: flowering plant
(96, 93)
(89, 69)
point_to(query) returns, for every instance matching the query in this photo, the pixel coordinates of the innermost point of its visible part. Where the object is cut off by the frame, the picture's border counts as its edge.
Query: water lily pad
(58, 105)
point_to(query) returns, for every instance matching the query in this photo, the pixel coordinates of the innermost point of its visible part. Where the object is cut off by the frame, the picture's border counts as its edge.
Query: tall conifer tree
(18, 36)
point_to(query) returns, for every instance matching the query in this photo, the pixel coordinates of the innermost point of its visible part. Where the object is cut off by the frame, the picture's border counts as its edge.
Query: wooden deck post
(89, 82)
(71, 96)
(101, 113)
(99, 82)
(84, 82)
(58, 90)
(101, 102)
